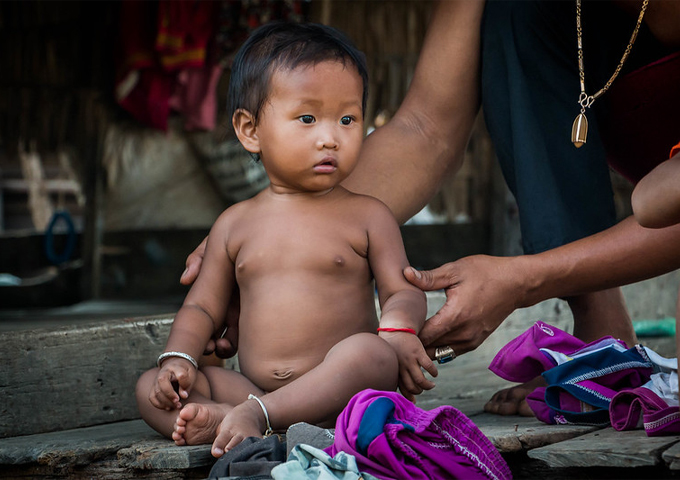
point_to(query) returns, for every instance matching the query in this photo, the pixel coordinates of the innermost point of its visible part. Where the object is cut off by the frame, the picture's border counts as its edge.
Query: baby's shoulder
(369, 205)
(234, 214)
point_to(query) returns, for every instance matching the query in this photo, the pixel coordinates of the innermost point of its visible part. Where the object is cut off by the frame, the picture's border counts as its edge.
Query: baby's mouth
(326, 166)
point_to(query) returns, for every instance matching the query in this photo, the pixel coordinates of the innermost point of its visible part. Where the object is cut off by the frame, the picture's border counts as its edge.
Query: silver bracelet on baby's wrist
(185, 356)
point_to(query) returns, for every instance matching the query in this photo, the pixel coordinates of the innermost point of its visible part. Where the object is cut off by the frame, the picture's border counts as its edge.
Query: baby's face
(311, 127)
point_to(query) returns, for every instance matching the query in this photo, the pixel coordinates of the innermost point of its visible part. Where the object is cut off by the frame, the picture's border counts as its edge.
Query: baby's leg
(160, 420)
(208, 390)
(356, 363)
(198, 422)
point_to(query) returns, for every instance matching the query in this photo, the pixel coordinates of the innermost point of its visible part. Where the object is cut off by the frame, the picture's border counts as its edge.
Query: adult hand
(193, 264)
(481, 291)
(225, 344)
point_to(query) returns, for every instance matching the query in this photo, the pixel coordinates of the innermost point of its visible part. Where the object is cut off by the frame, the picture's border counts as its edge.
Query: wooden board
(82, 376)
(515, 433)
(74, 447)
(672, 457)
(162, 454)
(606, 448)
(133, 444)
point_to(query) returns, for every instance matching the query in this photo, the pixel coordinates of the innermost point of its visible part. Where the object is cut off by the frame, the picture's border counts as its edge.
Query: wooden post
(91, 148)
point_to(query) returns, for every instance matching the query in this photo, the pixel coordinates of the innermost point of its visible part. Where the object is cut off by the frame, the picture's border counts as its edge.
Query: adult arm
(482, 291)
(403, 162)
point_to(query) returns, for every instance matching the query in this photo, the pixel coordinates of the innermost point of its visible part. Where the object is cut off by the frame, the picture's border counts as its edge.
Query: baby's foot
(243, 421)
(197, 423)
(512, 401)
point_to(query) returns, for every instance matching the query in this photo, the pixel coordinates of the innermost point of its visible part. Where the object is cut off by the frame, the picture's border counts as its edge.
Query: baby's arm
(202, 313)
(403, 306)
(656, 198)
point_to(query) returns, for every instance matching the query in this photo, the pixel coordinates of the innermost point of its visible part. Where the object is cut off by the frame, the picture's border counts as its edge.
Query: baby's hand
(173, 384)
(244, 420)
(412, 359)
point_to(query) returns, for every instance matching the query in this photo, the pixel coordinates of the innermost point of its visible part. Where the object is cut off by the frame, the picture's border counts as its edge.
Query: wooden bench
(68, 403)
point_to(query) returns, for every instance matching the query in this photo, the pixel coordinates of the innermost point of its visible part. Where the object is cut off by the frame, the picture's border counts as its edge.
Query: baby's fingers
(161, 398)
(421, 380)
(407, 382)
(169, 388)
(407, 395)
(417, 378)
(426, 362)
(182, 389)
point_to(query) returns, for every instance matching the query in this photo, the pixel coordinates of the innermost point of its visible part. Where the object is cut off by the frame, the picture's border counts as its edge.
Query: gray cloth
(253, 458)
(305, 433)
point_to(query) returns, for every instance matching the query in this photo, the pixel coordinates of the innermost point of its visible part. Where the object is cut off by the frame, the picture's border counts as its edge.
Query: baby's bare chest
(303, 247)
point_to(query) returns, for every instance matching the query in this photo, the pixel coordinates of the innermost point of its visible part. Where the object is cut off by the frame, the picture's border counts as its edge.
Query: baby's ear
(246, 130)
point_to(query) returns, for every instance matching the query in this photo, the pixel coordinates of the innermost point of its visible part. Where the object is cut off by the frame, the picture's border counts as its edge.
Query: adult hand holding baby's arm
(193, 263)
(175, 378)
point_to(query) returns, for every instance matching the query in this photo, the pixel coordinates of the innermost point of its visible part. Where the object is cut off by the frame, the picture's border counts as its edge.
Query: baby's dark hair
(279, 45)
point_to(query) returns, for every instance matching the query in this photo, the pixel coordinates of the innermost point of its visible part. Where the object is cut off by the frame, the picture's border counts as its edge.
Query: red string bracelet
(389, 329)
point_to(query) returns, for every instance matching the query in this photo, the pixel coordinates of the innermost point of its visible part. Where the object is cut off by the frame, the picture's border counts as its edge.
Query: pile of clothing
(379, 435)
(599, 383)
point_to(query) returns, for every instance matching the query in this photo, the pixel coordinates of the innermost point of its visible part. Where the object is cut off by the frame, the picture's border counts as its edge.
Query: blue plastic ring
(52, 256)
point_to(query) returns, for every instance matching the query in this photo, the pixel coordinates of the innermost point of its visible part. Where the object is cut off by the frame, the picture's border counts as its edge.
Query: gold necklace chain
(579, 130)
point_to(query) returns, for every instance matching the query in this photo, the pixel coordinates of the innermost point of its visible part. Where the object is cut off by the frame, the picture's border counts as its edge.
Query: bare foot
(244, 420)
(197, 423)
(512, 401)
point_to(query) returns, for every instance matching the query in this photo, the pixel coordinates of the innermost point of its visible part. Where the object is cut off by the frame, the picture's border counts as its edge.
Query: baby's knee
(144, 384)
(369, 349)
(383, 354)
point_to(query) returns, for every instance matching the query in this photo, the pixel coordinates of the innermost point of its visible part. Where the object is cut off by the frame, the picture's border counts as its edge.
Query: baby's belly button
(283, 374)
(270, 377)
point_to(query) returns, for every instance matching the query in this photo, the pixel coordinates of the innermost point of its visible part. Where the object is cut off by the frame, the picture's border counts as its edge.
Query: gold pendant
(579, 130)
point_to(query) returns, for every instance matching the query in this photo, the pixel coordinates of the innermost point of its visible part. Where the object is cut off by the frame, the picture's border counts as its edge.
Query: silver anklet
(269, 430)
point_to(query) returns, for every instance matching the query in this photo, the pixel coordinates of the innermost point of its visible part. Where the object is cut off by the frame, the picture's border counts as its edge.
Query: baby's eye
(307, 119)
(346, 120)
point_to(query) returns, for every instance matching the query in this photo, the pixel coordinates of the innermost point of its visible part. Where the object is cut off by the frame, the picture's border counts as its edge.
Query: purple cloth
(662, 422)
(536, 402)
(628, 406)
(580, 389)
(391, 438)
(521, 359)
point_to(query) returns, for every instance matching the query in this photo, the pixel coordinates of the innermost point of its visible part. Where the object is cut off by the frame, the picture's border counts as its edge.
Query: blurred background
(116, 155)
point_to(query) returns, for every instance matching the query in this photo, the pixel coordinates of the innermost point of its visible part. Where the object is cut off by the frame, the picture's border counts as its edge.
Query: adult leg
(359, 362)
(530, 87)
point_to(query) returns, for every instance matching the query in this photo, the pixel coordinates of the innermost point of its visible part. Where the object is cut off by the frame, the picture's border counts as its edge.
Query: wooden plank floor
(129, 449)
(607, 448)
